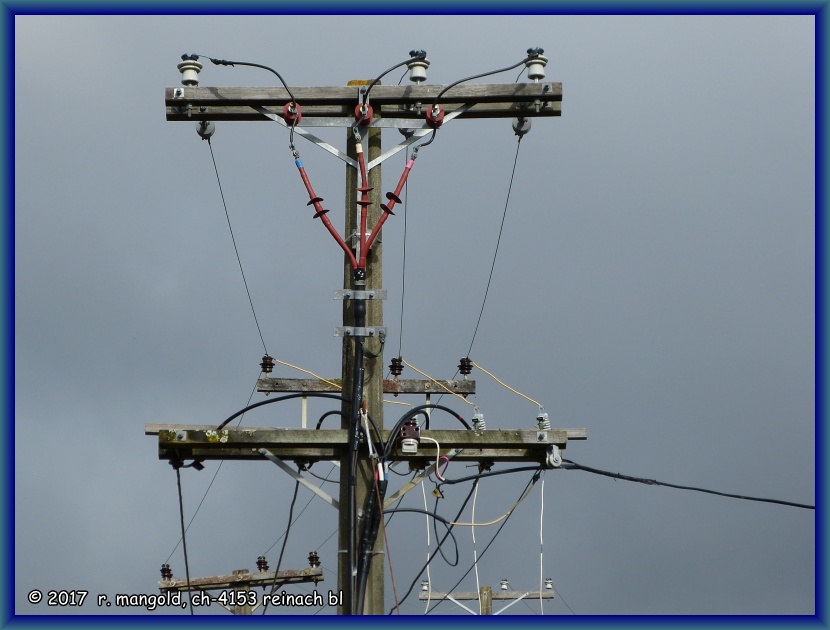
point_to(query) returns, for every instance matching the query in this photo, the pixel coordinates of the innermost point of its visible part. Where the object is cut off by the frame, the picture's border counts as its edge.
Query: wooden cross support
(186, 442)
(390, 386)
(410, 102)
(241, 579)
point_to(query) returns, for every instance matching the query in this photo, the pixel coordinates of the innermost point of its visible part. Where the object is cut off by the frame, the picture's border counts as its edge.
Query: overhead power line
(568, 464)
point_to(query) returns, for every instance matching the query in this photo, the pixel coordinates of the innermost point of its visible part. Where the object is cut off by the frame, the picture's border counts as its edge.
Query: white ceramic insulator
(190, 72)
(418, 70)
(536, 68)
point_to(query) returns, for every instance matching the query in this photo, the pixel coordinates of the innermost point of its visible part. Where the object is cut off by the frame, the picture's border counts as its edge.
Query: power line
(284, 541)
(498, 241)
(184, 540)
(238, 259)
(568, 464)
(210, 485)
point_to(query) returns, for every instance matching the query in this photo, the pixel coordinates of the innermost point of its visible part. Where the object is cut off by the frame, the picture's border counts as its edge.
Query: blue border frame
(8, 11)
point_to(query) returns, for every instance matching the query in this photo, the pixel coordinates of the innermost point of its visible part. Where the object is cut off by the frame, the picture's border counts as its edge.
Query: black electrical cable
(441, 542)
(488, 474)
(279, 399)
(223, 62)
(184, 539)
(372, 515)
(210, 485)
(479, 76)
(435, 517)
(651, 482)
(274, 586)
(414, 55)
(326, 415)
(498, 242)
(532, 482)
(323, 479)
(438, 497)
(233, 240)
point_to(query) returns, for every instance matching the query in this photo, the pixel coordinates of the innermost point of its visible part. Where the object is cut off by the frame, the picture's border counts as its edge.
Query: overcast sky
(654, 284)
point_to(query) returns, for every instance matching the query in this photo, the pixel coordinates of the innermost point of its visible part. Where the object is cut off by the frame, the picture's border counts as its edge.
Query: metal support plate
(351, 294)
(360, 331)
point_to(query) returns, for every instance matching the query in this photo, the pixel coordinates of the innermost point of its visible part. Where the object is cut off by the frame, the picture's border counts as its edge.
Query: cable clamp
(360, 331)
(351, 294)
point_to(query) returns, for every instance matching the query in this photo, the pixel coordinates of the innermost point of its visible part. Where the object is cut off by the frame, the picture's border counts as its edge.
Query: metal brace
(293, 473)
(351, 294)
(355, 331)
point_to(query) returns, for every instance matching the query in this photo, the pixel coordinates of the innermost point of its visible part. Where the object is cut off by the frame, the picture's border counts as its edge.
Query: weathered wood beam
(191, 442)
(532, 595)
(491, 100)
(236, 580)
(401, 386)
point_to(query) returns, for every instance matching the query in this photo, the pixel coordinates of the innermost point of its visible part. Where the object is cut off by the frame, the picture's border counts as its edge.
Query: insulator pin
(465, 366)
(361, 117)
(313, 560)
(435, 117)
(536, 65)
(418, 66)
(190, 67)
(292, 113)
(267, 364)
(396, 366)
(166, 573)
(261, 564)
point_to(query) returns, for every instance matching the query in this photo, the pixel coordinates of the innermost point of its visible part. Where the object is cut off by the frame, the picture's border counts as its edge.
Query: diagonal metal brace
(297, 476)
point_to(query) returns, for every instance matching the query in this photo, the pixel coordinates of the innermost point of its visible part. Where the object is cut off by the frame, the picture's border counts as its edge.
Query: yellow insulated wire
(439, 383)
(319, 378)
(333, 384)
(538, 404)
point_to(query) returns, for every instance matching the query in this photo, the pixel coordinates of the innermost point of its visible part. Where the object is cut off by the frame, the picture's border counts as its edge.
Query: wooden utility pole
(372, 362)
(418, 110)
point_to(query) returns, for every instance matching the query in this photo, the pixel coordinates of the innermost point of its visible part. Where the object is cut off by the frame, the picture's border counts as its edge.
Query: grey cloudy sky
(655, 285)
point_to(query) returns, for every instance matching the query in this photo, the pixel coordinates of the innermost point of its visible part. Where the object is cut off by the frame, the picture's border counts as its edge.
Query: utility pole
(486, 595)
(372, 361)
(363, 108)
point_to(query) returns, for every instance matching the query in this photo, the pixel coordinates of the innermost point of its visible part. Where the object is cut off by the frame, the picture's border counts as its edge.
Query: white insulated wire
(475, 551)
(429, 578)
